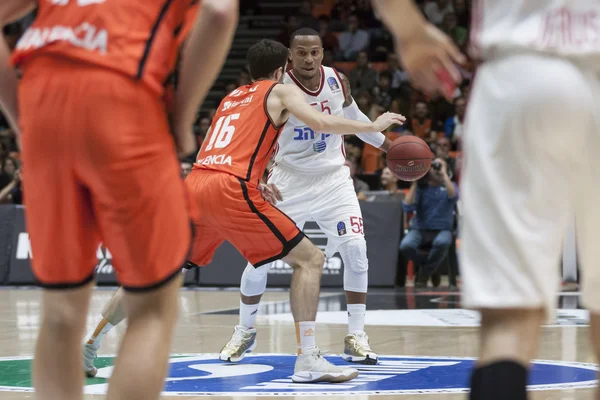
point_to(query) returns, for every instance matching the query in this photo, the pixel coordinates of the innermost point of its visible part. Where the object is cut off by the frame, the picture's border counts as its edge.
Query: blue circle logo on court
(269, 375)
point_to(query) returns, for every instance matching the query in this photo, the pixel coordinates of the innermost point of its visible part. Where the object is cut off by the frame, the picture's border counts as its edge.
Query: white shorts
(329, 200)
(531, 167)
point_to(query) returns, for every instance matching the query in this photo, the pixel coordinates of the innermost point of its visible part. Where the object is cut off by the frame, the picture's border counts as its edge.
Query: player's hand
(386, 120)
(430, 58)
(270, 192)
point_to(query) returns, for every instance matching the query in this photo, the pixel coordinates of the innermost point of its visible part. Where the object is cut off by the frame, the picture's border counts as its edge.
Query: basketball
(409, 158)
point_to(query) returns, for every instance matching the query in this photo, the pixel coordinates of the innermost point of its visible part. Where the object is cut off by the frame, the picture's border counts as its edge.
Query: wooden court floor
(427, 333)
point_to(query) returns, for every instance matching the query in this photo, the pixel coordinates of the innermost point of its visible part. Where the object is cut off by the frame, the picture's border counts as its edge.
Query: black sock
(501, 380)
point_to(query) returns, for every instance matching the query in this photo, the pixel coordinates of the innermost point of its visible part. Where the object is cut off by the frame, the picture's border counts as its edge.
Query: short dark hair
(303, 32)
(265, 57)
(385, 74)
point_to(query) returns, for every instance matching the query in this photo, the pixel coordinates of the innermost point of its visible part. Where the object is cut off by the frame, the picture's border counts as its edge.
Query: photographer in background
(433, 200)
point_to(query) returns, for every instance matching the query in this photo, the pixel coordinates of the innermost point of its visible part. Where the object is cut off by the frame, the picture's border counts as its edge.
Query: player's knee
(254, 280)
(354, 255)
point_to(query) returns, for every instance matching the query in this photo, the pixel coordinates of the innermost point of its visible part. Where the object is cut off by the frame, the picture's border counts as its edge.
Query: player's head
(267, 59)
(306, 52)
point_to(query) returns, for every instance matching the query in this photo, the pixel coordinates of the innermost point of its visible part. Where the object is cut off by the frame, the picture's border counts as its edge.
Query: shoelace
(363, 341)
(237, 338)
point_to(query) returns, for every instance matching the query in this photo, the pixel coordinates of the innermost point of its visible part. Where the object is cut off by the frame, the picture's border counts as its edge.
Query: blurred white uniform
(531, 146)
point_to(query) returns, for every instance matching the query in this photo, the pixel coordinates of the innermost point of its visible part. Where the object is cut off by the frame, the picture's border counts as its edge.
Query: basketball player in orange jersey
(101, 165)
(225, 187)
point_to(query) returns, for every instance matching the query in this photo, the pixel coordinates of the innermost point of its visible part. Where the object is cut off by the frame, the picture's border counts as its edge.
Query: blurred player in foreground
(312, 182)
(101, 165)
(541, 58)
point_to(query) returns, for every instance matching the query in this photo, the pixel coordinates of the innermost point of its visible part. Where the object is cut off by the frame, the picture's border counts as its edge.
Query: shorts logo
(341, 228)
(333, 83)
(269, 375)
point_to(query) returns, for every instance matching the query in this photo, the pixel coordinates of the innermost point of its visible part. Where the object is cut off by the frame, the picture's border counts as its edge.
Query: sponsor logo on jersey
(333, 84)
(228, 105)
(85, 36)
(217, 159)
(341, 228)
(269, 375)
(320, 146)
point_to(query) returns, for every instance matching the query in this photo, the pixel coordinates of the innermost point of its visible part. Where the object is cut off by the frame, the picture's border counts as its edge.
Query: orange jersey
(139, 38)
(242, 137)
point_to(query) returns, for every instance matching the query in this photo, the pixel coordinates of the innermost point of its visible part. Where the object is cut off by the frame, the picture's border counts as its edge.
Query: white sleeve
(375, 139)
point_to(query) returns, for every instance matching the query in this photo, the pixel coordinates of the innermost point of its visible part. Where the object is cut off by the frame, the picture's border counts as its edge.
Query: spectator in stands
(421, 123)
(186, 168)
(454, 126)
(203, 125)
(230, 87)
(388, 181)
(328, 61)
(353, 40)
(244, 77)
(433, 201)
(353, 148)
(360, 187)
(292, 24)
(11, 192)
(399, 76)
(383, 91)
(451, 28)
(435, 10)
(362, 77)
(463, 13)
(307, 20)
(330, 41)
(442, 150)
(364, 100)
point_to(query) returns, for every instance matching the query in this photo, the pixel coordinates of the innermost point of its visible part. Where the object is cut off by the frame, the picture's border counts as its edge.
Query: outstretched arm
(351, 111)
(291, 99)
(10, 10)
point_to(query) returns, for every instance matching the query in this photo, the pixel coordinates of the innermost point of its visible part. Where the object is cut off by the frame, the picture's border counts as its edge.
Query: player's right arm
(289, 99)
(10, 11)
(203, 56)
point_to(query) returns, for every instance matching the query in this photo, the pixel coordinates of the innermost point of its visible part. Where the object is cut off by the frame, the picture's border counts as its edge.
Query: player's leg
(340, 217)
(514, 220)
(254, 280)
(61, 226)
(268, 235)
(142, 208)
(112, 314)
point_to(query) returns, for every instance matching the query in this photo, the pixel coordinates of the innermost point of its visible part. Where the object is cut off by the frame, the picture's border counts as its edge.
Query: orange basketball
(409, 158)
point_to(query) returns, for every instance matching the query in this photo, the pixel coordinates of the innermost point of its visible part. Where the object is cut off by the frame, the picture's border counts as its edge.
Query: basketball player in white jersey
(314, 184)
(531, 168)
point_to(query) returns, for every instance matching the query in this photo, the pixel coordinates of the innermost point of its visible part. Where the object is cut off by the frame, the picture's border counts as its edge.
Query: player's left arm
(10, 10)
(351, 111)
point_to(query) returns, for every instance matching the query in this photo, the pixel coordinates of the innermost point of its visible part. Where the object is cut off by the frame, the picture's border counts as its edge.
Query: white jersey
(569, 28)
(299, 147)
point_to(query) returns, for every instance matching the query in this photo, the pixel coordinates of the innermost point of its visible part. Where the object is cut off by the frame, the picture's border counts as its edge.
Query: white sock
(248, 314)
(305, 335)
(356, 317)
(96, 336)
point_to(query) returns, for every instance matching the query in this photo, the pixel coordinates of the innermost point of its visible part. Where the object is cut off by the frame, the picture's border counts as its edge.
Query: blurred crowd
(356, 43)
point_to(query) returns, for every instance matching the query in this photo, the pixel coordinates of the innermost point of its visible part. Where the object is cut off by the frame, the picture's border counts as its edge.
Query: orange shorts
(234, 210)
(99, 165)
